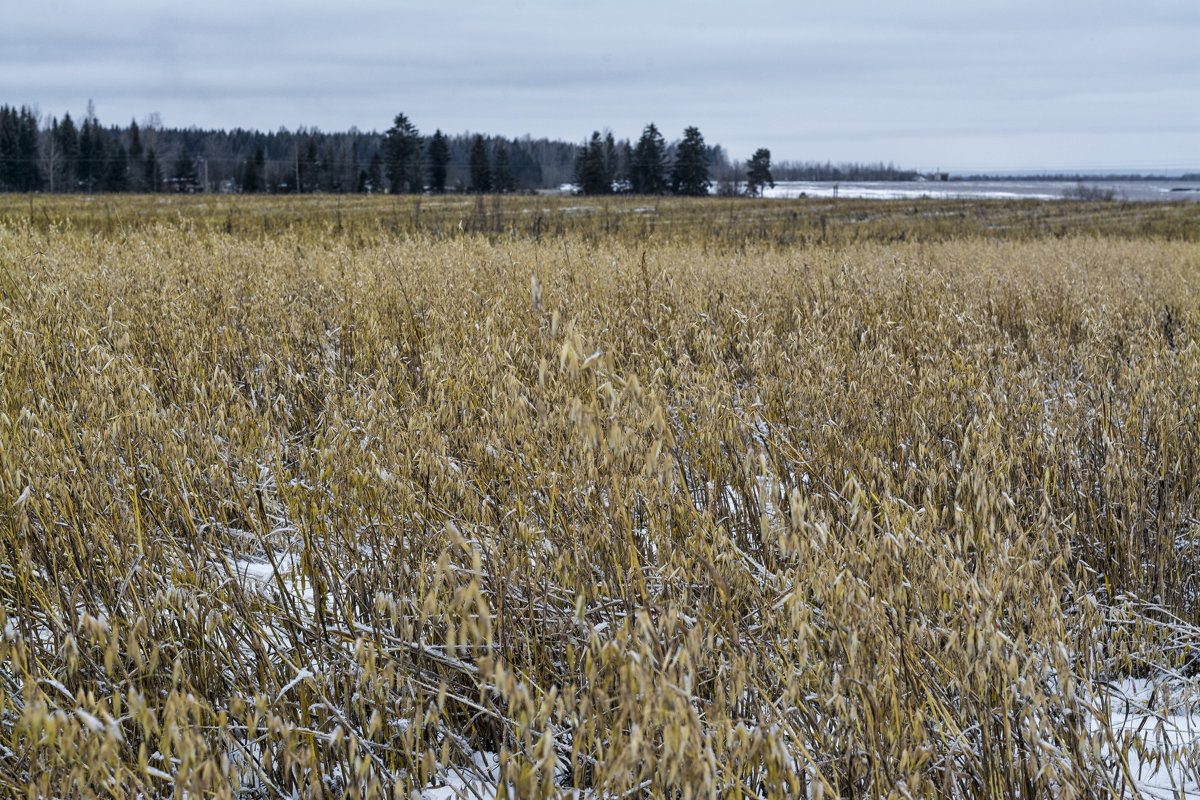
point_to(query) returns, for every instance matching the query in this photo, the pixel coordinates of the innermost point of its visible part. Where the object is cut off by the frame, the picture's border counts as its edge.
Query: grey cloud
(1023, 83)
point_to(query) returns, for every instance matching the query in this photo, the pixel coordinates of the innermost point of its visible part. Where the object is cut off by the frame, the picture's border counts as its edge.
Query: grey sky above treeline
(964, 86)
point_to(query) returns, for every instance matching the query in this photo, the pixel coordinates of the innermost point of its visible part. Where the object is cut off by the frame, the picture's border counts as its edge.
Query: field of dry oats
(647, 498)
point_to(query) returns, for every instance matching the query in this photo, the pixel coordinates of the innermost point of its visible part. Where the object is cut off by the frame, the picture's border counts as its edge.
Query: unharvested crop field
(375, 497)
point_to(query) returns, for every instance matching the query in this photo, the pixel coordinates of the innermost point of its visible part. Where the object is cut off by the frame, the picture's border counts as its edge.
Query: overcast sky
(964, 85)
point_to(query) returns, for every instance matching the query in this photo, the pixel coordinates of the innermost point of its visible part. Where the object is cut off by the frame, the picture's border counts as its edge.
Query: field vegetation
(642, 498)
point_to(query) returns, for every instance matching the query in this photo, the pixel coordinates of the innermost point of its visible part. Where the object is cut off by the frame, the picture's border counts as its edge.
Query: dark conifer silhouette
(689, 175)
(480, 166)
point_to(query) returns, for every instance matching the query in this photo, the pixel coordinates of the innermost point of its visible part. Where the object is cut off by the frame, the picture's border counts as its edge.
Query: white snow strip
(1161, 724)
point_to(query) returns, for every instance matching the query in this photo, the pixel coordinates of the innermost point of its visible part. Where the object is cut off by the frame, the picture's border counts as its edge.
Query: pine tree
(116, 169)
(253, 173)
(326, 177)
(438, 153)
(51, 156)
(136, 153)
(480, 168)
(758, 172)
(689, 175)
(374, 180)
(135, 141)
(68, 146)
(92, 155)
(9, 159)
(612, 161)
(29, 176)
(185, 176)
(402, 147)
(648, 172)
(625, 172)
(591, 167)
(152, 177)
(308, 168)
(502, 176)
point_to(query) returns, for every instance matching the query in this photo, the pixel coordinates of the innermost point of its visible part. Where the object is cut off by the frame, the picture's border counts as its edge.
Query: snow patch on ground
(1157, 723)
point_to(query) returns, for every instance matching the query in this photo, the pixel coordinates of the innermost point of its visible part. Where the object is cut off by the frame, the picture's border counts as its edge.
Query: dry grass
(303, 499)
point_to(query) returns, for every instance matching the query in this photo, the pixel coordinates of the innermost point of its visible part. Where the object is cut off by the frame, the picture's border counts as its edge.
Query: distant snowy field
(1000, 190)
(1136, 191)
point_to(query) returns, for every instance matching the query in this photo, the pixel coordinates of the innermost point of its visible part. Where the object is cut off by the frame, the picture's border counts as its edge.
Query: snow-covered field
(999, 190)
(1139, 191)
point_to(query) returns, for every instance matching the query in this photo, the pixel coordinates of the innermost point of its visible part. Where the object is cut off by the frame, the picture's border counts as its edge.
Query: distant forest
(68, 155)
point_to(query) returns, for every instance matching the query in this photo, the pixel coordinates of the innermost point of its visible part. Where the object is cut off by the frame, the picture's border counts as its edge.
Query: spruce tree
(648, 172)
(402, 148)
(438, 154)
(502, 176)
(758, 172)
(29, 176)
(9, 160)
(253, 172)
(260, 168)
(152, 172)
(612, 162)
(116, 169)
(136, 153)
(308, 168)
(184, 174)
(480, 166)
(92, 155)
(689, 175)
(375, 174)
(68, 146)
(591, 167)
(135, 141)
(625, 171)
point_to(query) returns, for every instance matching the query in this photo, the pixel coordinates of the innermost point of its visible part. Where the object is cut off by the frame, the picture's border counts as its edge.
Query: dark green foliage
(374, 182)
(402, 151)
(481, 170)
(184, 177)
(612, 161)
(502, 176)
(116, 169)
(689, 175)
(135, 155)
(648, 172)
(438, 153)
(70, 156)
(254, 173)
(307, 165)
(18, 150)
(758, 172)
(67, 140)
(624, 175)
(135, 141)
(592, 174)
(526, 166)
(91, 154)
(152, 177)
(28, 176)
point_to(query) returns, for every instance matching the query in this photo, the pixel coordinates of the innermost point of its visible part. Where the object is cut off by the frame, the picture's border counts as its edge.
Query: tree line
(816, 171)
(605, 166)
(69, 155)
